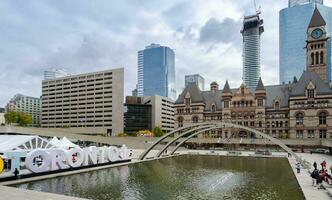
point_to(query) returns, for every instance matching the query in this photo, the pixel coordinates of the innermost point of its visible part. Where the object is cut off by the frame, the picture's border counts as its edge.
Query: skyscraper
(195, 78)
(293, 25)
(251, 32)
(156, 72)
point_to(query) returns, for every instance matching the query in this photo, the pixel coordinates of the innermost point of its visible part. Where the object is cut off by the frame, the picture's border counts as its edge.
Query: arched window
(312, 58)
(259, 124)
(322, 118)
(180, 121)
(276, 105)
(321, 57)
(195, 119)
(213, 108)
(317, 58)
(299, 118)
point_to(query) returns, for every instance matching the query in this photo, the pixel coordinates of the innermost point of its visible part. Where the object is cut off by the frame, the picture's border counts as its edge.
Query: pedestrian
(331, 169)
(298, 167)
(314, 176)
(16, 173)
(324, 164)
(315, 165)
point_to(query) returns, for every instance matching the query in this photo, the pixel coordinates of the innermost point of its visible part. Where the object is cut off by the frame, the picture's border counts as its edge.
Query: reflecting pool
(182, 177)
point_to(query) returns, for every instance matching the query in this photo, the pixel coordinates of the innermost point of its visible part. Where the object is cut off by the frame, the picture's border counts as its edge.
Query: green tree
(158, 132)
(11, 117)
(24, 119)
(21, 118)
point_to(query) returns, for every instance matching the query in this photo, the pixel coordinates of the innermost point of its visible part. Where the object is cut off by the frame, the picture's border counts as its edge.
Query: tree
(158, 132)
(11, 117)
(23, 119)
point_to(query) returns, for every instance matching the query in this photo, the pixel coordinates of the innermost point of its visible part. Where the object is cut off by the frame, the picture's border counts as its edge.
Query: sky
(85, 36)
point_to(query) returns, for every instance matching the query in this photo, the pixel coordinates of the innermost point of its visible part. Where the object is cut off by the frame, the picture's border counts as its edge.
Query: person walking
(16, 173)
(314, 176)
(298, 167)
(315, 165)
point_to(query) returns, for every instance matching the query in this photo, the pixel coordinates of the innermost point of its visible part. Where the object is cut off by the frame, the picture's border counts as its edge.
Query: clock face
(317, 33)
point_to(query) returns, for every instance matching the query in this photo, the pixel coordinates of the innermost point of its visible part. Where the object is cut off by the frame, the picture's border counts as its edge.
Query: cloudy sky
(84, 36)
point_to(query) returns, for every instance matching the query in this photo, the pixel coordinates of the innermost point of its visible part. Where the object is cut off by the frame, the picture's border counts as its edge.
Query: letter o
(79, 158)
(35, 168)
(113, 154)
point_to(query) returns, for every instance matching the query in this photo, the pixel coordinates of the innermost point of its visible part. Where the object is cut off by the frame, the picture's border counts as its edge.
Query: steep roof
(260, 85)
(194, 91)
(307, 76)
(226, 89)
(317, 19)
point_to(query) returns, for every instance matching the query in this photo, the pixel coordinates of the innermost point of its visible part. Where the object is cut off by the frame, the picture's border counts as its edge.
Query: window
(321, 57)
(299, 134)
(180, 121)
(195, 119)
(311, 93)
(187, 101)
(213, 108)
(317, 58)
(226, 104)
(312, 58)
(276, 105)
(322, 118)
(322, 133)
(299, 118)
(260, 124)
(260, 102)
(311, 133)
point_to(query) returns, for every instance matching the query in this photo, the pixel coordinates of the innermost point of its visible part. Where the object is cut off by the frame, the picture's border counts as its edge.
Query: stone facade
(301, 109)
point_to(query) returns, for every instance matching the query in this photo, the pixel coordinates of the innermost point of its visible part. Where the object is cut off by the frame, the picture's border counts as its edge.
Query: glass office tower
(156, 72)
(251, 33)
(293, 25)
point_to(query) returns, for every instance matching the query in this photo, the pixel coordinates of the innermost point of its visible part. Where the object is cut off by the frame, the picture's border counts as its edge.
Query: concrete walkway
(304, 179)
(10, 193)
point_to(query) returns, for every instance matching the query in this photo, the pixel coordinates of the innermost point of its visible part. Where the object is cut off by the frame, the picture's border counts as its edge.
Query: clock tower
(316, 45)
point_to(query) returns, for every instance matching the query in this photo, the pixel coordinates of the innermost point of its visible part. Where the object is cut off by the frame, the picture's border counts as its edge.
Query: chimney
(214, 86)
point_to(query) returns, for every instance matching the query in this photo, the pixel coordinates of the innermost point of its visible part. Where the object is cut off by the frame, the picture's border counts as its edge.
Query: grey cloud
(227, 31)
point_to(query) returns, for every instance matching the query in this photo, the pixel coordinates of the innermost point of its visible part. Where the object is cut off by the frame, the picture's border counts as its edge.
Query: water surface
(183, 177)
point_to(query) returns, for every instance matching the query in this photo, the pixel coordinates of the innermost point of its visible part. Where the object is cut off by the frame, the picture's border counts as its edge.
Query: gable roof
(317, 19)
(307, 76)
(194, 91)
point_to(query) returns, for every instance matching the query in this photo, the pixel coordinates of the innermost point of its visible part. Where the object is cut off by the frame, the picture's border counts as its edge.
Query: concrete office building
(148, 112)
(55, 73)
(196, 79)
(251, 33)
(26, 104)
(293, 25)
(156, 72)
(90, 103)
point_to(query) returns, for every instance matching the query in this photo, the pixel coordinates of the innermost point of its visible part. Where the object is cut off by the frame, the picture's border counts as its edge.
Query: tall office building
(195, 78)
(89, 103)
(156, 72)
(55, 73)
(26, 104)
(292, 3)
(251, 32)
(293, 25)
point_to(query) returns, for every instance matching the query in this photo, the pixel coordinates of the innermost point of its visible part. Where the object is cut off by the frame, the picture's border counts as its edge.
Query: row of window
(321, 118)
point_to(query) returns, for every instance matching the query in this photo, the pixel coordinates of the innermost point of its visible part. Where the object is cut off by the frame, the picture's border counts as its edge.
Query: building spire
(226, 89)
(260, 85)
(316, 19)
